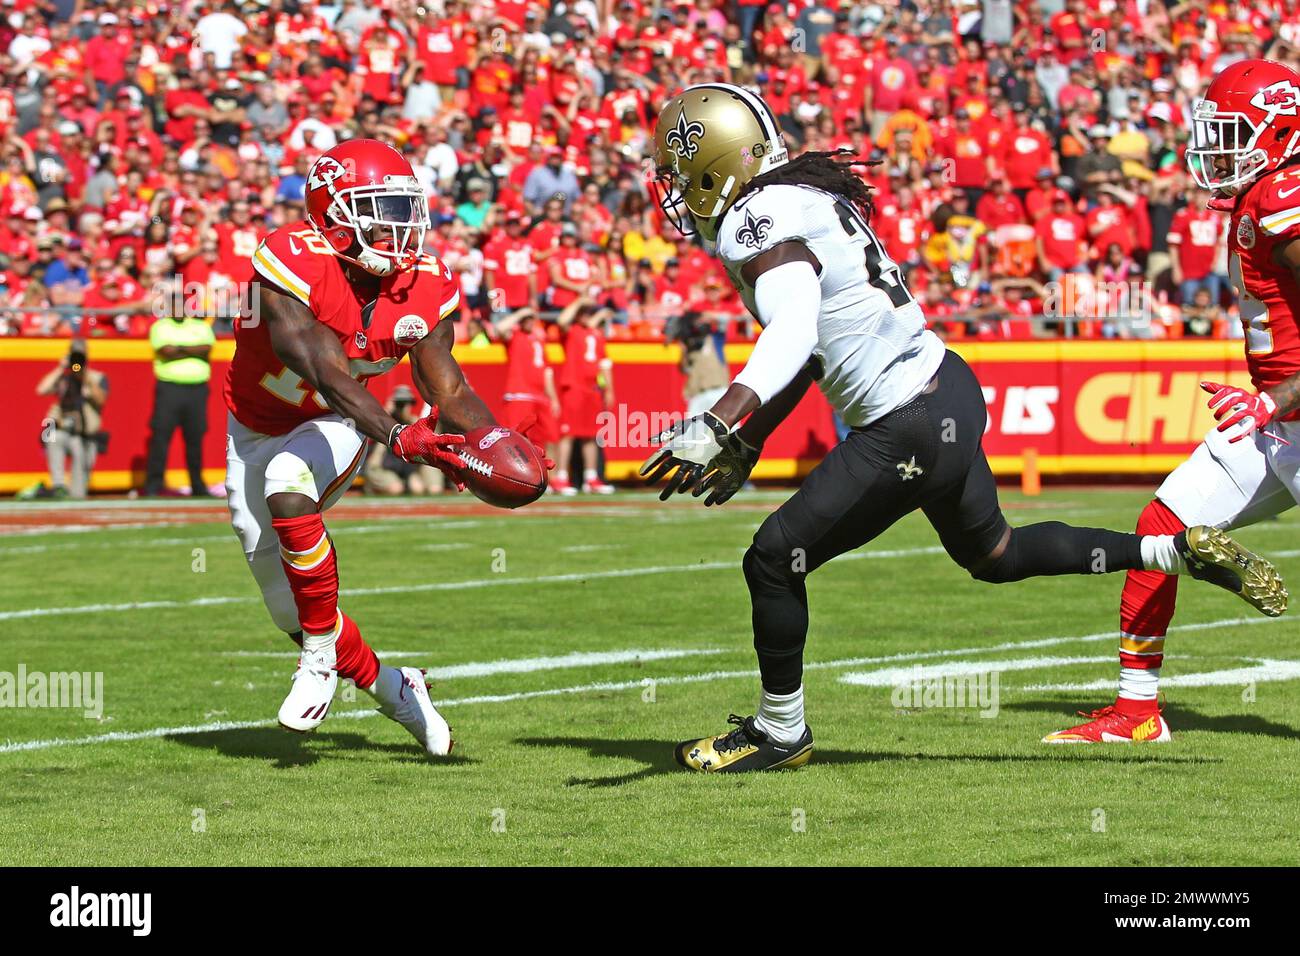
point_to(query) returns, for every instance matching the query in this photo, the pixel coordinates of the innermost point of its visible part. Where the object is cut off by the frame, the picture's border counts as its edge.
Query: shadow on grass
(657, 757)
(288, 749)
(1179, 717)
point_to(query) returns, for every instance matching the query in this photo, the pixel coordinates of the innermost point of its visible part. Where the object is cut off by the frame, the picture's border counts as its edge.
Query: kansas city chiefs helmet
(1245, 125)
(364, 201)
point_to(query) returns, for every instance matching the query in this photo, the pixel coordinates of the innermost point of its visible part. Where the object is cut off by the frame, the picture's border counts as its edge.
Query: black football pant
(927, 455)
(177, 406)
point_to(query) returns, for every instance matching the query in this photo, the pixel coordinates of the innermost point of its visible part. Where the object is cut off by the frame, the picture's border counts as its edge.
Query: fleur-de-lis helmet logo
(684, 138)
(754, 231)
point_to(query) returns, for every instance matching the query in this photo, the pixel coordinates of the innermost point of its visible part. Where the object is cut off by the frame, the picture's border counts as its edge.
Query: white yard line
(471, 584)
(1266, 670)
(893, 676)
(521, 665)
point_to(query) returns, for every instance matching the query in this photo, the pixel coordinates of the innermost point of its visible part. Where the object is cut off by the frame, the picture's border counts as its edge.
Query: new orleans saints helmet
(710, 140)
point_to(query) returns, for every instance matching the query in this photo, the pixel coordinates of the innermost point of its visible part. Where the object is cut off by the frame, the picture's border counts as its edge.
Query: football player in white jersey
(795, 238)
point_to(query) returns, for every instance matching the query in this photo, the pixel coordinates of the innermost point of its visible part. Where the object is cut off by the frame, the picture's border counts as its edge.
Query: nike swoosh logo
(1283, 193)
(293, 247)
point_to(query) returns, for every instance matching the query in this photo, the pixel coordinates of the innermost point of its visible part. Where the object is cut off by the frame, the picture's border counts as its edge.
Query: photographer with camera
(71, 429)
(385, 473)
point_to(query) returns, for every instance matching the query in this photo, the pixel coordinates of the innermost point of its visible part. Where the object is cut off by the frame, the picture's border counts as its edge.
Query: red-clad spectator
(573, 272)
(1108, 223)
(1194, 239)
(1024, 151)
(1061, 244)
(509, 270)
(999, 206)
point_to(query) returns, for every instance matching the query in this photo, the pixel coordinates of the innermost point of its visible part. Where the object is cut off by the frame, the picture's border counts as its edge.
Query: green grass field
(566, 758)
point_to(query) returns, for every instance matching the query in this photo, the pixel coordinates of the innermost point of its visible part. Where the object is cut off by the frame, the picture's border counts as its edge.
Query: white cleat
(314, 683)
(414, 710)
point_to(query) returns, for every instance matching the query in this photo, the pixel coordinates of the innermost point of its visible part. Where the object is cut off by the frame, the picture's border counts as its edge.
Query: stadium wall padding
(1086, 408)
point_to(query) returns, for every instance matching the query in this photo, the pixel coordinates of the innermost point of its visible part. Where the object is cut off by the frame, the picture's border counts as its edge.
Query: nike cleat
(743, 749)
(314, 683)
(1113, 726)
(1214, 557)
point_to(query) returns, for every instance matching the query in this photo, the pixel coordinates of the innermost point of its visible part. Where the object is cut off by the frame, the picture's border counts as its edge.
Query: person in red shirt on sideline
(1061, 246)
(531, 403)
(586, 390)
(1193, 245)
(509, 269)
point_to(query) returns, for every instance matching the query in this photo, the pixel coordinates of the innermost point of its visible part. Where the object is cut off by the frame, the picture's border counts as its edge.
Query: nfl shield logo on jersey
(360, 339)
(409, 330)
(1246, 233)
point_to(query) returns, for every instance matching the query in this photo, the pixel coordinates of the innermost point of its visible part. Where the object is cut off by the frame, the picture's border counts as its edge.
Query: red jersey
(584, 357)
(269, 398)
(511, 263)
(236, 245)
(1265, 218)
(1196, 233)
(526, 366)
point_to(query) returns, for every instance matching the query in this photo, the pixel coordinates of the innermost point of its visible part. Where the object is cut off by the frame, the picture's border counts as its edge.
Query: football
(502, 467)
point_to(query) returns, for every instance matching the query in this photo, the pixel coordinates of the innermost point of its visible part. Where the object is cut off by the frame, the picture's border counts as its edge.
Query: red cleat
(561, 486)
(1110, 725)
(594, 486)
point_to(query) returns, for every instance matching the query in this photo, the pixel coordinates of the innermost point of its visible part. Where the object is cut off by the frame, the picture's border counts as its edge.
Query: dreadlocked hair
(829, 170)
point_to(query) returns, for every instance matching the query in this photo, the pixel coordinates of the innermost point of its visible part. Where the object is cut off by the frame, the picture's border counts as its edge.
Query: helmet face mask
(1222, 155)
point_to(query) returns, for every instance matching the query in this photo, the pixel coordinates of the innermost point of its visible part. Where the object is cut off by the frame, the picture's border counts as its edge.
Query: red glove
(420, 444)
(1233, 406)
(531, 425)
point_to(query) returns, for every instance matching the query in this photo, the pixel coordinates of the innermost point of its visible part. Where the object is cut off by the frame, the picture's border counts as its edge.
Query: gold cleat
(1211, 555)
(742, 749)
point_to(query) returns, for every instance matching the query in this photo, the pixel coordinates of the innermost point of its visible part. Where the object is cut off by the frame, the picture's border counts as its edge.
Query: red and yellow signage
(1086, 408)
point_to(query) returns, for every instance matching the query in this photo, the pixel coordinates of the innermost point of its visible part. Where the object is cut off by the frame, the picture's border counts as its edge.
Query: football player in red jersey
(1246, 136)
(340, 298)
(586, 389)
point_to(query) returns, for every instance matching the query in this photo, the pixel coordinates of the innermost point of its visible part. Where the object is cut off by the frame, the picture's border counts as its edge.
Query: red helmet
(361, 184)
(1246, 123)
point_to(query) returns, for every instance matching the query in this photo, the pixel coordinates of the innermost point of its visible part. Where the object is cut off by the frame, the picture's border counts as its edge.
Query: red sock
(1145, 609)
(308, 557)
(355, 658)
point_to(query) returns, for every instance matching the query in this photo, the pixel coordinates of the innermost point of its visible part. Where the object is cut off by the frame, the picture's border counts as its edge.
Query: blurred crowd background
(1026, 155)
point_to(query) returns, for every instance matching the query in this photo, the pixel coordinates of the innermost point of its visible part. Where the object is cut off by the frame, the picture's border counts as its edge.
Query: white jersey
(872, 344)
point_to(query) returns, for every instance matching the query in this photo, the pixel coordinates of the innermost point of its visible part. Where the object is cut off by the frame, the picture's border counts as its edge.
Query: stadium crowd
(1026, 156)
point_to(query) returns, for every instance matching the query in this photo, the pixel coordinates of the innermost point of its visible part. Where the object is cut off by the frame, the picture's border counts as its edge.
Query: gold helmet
(710, 141)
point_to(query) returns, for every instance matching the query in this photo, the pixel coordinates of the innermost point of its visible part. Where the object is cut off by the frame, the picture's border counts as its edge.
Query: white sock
(387, 686)
(1159, 554)
(561, 474)
(590, 475)
(1138, 683)
(312, 643)
(780, 716)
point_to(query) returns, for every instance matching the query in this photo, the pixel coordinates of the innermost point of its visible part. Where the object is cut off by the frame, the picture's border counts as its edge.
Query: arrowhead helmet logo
(684, 138)
(1278, 99)
(324, 172)
(754, 232)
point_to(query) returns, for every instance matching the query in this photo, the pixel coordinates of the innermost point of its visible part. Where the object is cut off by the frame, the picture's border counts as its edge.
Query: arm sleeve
(788, 301)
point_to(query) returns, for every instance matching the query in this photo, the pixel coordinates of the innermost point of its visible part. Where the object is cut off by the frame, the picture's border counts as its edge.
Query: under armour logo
(684, 138)
(907, 470)
(754, 231)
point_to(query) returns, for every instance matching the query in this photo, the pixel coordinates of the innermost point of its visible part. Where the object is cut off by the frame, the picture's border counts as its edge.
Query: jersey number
(882, 271)
(1254, 313)
(288, 385)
